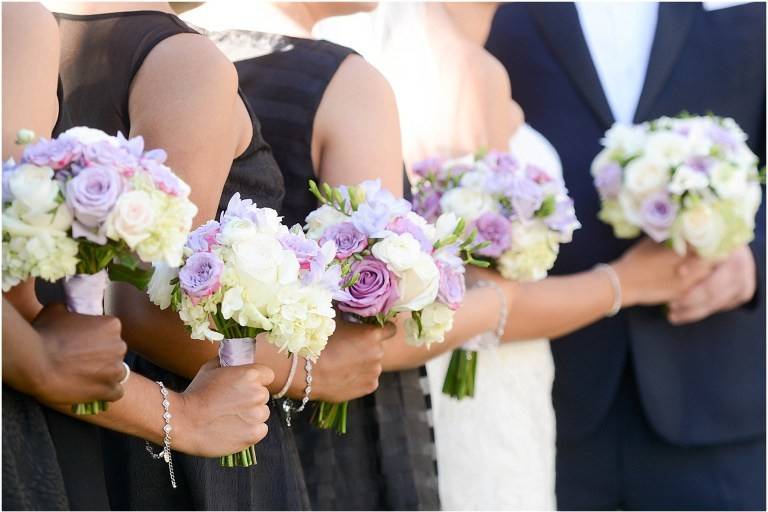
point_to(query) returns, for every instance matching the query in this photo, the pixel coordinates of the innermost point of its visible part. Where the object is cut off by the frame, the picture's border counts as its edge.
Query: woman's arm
(30, 72)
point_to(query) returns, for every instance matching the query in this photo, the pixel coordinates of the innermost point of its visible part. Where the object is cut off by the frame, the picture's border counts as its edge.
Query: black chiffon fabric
(386, 460)
(101, 54)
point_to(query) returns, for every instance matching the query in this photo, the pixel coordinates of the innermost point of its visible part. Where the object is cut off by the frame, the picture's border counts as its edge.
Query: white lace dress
(496, 451)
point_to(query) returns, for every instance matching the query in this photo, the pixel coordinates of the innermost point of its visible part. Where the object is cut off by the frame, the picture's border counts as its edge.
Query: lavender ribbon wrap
(237, 351)
(85, 293)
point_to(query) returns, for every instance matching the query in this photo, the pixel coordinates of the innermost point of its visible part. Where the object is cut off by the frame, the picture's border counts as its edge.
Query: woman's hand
(651, 273)
(351, 362)
(223, 410)
(81, 358)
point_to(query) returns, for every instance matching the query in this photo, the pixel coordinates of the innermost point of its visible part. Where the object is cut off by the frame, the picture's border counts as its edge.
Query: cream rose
(687, 178)
(702, 227)
(323, 218)
(728, 180)
(645, 175)
(131, 218)
(418, 285)
(399, 252)
(467, 203)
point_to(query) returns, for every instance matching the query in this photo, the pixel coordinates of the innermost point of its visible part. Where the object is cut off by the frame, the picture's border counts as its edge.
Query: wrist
(628, 294)
(183, 430)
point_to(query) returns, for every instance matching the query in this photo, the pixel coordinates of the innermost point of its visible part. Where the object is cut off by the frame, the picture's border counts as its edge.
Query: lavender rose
(375, 290)
(658, 213)
(452, 285)
(608, 180)
(203, 239)
(201, 275)
(526, 197)
(93, 193)
(347, 237)
(496, 229)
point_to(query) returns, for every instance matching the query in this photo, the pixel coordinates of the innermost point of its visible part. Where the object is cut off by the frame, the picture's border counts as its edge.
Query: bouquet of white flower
(87, 206)
(249, 274)
(687, 181)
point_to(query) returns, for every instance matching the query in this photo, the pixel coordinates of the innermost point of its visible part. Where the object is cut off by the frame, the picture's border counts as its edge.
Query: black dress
(386, 460)
(101, 54)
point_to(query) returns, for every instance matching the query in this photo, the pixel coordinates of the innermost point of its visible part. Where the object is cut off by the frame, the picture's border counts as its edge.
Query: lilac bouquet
(520, 214)
(688, 181)
(89, 207)
(248, 274)
(392, 260)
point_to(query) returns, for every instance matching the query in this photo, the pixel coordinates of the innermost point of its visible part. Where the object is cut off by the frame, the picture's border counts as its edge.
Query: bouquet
(687, 181)
(249, 274)
(392, 260)
(86, 207)
(519, 213)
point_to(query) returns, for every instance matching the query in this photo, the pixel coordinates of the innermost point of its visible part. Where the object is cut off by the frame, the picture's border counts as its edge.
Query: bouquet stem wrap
(238, 352)
(85, 295)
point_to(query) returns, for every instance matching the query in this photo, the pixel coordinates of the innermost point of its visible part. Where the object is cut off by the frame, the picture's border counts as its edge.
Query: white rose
(702, 227)
(34, 188)
(436, 320)
(398, 252)
(626, 139)
(687, 179)
(670, 147)
(261, 260)
(131, 218)
(468, 203)
(269, 222)
(418, 285)
(323, 218)
(728, 180)
(645, 175)
(86, 135)
(160, 287)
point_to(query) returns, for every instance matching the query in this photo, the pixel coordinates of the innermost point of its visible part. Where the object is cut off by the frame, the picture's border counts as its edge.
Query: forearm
(140, 413)
(557, 305)
(22, 351)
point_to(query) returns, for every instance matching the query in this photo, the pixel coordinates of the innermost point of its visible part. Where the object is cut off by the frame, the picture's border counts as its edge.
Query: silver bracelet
(288, 406)
(490, 339)
(289, 380)
(165, 453)
(613, 277)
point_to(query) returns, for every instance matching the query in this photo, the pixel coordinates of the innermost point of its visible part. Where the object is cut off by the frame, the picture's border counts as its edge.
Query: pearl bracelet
(490, 339)
(289, 380)
(165, 453)
(613, 277)
(288, 407)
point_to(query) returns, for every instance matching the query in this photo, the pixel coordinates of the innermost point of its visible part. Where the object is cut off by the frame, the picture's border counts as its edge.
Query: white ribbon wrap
(85, 293)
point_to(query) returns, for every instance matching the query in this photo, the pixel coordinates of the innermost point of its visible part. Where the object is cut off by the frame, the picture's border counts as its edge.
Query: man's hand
(731, 284)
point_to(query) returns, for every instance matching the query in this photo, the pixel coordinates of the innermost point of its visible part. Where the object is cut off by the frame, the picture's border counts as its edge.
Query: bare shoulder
(487, 71)
(357, 81)
(185, 57)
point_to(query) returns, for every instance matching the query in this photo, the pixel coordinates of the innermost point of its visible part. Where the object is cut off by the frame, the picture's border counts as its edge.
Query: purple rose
(496, 229)
(427, 204)
(203, 239)
(347, 237)
(608, 180)
(402, 225)
(56, 153)
(452, 285)
(92, 194)
(375, 290)
(658, 213)
(201, 275)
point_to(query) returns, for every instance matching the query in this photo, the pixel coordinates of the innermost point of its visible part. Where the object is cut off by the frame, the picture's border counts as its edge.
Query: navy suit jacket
(702, 383)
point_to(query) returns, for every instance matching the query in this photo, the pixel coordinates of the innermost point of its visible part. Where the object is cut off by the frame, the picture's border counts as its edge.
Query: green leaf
(137, 277)
(547, 207)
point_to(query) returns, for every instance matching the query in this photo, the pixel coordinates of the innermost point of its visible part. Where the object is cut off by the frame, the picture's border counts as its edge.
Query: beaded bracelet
(288, 407)
(165, 453)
